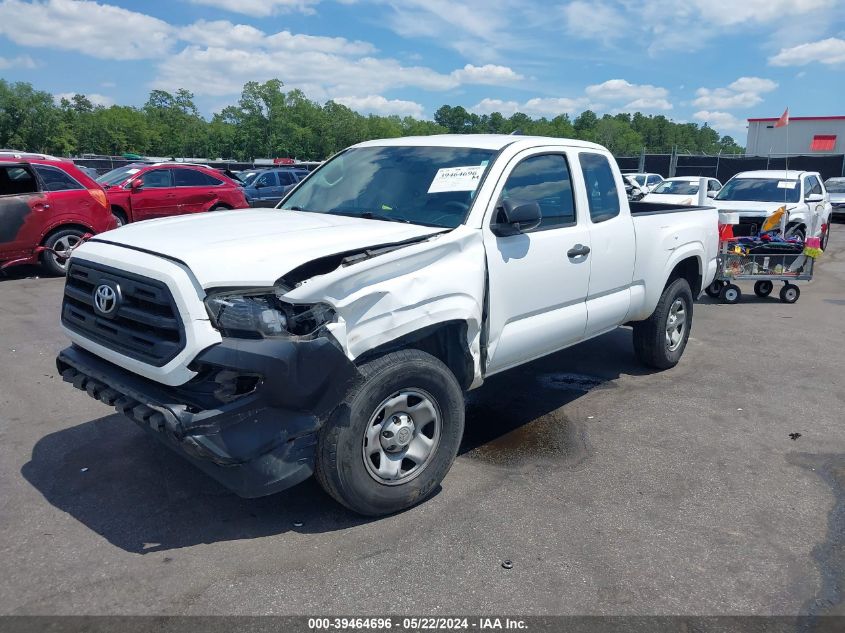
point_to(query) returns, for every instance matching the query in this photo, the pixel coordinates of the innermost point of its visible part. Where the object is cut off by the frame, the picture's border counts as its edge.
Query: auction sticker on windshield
(786, 184)
(456, 179)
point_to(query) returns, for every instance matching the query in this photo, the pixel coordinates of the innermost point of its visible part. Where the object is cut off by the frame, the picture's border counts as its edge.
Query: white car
(835, 188)
(646, 182)
(337, 334)
(681, 190)
(755, 195)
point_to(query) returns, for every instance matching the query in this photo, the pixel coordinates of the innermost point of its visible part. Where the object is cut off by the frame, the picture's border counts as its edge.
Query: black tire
(60, 240)
(340, 463)
(650, 336)
(219, 207)
(763, 288)
(120, 216)
(714, 289)
(730, 294)
(790, 293)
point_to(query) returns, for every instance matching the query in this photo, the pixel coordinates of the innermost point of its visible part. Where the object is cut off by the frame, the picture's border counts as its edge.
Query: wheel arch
(61, 227)
(691, 269)
(446, 341)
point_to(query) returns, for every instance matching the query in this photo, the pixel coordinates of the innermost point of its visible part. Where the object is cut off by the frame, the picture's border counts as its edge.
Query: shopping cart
(764, 264)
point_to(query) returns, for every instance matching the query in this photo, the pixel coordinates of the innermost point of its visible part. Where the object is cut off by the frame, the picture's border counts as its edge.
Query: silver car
(836, 188)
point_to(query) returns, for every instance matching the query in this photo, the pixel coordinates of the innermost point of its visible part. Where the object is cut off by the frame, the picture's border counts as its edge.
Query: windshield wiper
(369, 215)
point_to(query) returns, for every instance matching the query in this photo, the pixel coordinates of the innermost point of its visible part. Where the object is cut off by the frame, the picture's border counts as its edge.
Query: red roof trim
(802, 118)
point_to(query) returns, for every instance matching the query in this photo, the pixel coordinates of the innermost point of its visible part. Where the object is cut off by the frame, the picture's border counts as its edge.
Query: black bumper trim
(256, 445)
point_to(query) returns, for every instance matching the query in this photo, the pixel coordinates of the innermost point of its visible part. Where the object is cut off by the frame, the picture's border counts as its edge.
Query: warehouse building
(807, 135)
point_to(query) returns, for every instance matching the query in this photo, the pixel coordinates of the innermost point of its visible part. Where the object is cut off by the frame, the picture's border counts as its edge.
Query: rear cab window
(602, 194)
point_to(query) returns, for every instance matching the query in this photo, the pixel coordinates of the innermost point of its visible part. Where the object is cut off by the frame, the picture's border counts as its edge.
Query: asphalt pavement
(712, 488)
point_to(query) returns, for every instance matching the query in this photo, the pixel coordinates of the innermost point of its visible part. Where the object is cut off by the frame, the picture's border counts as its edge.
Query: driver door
(156, 197)
(538, 280)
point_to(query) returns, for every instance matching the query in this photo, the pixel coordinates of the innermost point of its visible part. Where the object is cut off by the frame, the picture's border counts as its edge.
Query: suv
(270, 186)
(47, 206)
(141, 191)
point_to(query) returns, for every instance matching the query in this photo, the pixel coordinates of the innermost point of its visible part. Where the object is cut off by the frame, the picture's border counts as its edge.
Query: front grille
(145, 325)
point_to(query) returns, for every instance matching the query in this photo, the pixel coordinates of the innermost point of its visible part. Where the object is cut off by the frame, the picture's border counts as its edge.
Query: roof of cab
(476, 141)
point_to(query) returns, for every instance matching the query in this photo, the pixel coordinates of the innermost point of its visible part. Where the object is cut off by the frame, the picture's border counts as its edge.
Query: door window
(815, 185)
(55, 179)
(713, 185)
(158, 178)
(544, 180)
(16, 181)
(601, 187)
(266, 180)
(190, 178)
(286, 178)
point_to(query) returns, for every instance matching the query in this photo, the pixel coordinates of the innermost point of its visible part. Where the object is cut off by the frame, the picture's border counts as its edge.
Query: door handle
(41, 206)
(579, 250)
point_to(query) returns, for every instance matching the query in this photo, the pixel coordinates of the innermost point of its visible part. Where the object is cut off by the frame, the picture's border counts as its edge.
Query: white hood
(256, 246)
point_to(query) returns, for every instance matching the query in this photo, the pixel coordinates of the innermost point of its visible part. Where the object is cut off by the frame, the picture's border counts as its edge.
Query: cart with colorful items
(765, 258)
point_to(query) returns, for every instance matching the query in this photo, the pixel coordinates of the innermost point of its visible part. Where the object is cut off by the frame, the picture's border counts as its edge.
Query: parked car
(338, 333)
(755, 195)
(836, 190)
(681, 190)
(647, 182)
(47, 206)
(270, 186)
(142, 191)
(632, 188)
(88, 171)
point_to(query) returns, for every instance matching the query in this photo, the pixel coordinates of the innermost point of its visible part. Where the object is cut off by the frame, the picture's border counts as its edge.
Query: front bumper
(255, 443)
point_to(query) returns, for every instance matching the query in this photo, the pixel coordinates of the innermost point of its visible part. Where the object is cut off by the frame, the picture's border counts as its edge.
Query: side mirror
(136, 184)
(712, 194)
(514, 217)
(814, 197)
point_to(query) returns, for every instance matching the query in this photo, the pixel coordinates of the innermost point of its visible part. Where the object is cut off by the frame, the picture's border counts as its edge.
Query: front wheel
(394, 438)
(714, 289)
(660, 340)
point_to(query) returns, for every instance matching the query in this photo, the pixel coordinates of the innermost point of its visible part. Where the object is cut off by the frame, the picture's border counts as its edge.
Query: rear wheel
(61, 243)
(731, 294)
(763, 288)
(219, 207)
(790, 293)
(660, 340)
(394, 438)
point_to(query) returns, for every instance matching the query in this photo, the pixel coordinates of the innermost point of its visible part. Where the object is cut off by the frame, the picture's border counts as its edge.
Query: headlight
(259, 313)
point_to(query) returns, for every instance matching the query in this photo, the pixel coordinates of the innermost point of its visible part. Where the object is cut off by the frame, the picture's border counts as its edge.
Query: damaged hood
(255, 247)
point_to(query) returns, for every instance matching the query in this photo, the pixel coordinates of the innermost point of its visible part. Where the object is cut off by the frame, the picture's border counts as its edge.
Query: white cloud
(99, 30)
(94, 97)
(634, 96)
(731, 12)
(489, 74)
(379, 105)
(745, 92)
(261, 8)
(594, 21)
(723, 122)
(21, 61)
(538, 106)
(830, 51)
(223, 32)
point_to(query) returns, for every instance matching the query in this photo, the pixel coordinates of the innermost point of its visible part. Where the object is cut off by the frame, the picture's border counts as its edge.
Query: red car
(142, 191)
(47, 206)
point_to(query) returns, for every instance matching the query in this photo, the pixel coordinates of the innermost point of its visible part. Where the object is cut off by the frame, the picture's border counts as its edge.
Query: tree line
(268, 121)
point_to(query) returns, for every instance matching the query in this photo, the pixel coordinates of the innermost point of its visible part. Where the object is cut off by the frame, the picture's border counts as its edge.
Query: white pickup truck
(337, 333)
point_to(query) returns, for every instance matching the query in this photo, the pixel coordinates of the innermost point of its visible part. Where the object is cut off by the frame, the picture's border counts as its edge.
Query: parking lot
(612, 489)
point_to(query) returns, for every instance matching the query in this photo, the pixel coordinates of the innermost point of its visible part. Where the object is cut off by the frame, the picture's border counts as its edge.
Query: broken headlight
(260, 314)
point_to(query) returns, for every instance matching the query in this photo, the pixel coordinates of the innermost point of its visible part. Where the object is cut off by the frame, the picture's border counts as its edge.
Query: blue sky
(718, 61)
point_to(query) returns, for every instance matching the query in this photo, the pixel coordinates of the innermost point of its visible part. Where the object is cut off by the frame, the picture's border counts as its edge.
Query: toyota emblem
(105, 299)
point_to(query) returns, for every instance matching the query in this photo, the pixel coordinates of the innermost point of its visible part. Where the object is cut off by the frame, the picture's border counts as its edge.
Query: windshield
(248, 176)
(640, 180)
(117, 176)
(432, 186)
(835, 185)
(677, 187)
(760, 190)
